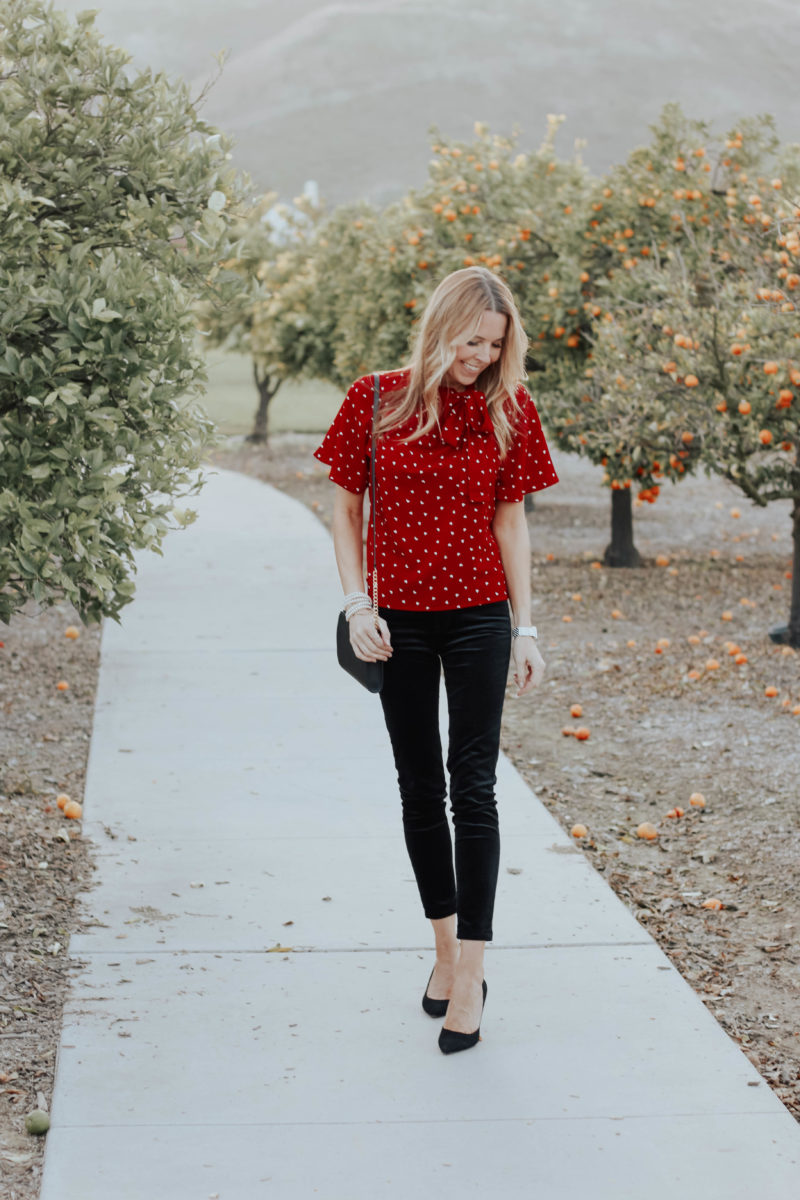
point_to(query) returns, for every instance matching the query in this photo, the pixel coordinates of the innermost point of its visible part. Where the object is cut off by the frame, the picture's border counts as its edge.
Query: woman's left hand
(528, 664)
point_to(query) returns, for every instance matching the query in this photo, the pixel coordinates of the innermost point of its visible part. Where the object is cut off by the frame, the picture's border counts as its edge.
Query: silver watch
(524, 631)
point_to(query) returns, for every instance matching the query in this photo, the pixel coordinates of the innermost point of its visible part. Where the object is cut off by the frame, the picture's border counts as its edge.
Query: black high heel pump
(450, 1041)
(434, 1008)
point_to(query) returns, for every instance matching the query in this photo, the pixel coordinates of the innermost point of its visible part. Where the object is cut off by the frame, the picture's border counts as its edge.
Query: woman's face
(483, 348)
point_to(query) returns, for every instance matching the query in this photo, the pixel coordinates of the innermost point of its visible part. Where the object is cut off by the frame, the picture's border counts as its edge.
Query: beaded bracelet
(358, 606)
(354, 596)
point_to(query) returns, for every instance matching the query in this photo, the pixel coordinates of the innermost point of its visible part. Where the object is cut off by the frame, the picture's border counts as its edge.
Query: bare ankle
(447, 946)
(447, 956)
(470, 964)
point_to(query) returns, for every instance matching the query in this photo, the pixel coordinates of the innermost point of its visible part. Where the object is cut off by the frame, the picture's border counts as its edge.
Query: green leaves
(104, 176)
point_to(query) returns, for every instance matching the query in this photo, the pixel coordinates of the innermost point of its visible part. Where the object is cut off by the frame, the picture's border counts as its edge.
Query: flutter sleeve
(346, 446)
(527, 466)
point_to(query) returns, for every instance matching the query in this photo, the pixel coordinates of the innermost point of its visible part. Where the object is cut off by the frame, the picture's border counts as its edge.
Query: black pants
(471, 647)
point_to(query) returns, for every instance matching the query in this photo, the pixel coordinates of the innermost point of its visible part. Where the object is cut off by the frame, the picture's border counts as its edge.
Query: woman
(459, 445)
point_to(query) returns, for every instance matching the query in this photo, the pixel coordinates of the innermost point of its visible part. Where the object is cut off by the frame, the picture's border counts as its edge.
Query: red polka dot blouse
(437, 495)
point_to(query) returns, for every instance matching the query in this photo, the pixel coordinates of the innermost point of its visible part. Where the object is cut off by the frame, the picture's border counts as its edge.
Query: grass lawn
(232, 399)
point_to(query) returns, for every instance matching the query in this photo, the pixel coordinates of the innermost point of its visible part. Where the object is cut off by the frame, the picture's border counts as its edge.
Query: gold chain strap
(375, 595)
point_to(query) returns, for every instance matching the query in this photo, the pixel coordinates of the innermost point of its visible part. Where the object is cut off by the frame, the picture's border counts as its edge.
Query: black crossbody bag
(368, 674)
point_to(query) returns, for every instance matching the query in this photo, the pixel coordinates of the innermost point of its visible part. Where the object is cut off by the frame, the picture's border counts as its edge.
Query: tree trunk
(789, 635)
(621, 552)
(266, 390)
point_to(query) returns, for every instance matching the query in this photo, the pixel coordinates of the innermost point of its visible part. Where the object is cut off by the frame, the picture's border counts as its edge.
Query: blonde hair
(451, 317)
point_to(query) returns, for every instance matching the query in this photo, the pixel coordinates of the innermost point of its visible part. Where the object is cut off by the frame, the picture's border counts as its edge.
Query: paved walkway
(241, 798)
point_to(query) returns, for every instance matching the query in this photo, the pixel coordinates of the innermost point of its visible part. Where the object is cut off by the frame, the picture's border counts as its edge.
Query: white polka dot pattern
(437, 495)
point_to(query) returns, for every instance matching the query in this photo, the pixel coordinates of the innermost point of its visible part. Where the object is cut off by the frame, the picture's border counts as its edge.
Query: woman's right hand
(370, 644)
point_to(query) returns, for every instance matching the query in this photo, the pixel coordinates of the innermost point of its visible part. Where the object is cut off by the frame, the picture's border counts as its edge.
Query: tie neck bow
(468, 415)
(466, 424)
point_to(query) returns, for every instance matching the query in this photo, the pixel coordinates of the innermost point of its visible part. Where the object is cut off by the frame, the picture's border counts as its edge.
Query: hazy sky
(345, 93)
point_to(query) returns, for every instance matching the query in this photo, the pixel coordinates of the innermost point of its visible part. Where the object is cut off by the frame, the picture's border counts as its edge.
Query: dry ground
(44, 862)
(656, 737)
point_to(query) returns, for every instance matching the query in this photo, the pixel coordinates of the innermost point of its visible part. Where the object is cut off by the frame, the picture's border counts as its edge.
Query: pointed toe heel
(450, 1041)
(434, 1008)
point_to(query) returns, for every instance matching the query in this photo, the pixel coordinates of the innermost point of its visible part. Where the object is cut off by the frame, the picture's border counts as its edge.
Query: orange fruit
(744, 407)
(73, 810)
(62, 685)
(693, 675)
(616, 614)
(735, 513)
(647, 831)
(770, 368)
(770, 691)
(691, 380)
(693, 639)
(727, 615)
(662, 560)
(568, 731)
(713, 902)
(72, 632)
(582, 733)
(579, 831)
(712, 664)
(740, 659)
(62, 799)
(576, 710)
(765, 437)
(697, 800)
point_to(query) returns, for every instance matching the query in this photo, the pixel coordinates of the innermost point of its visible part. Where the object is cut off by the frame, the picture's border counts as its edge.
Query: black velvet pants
(470, 647)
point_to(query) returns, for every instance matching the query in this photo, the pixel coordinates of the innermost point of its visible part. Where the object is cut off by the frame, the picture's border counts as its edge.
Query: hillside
(345, 93)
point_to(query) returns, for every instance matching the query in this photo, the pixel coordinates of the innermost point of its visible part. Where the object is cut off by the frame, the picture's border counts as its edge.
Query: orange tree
(702, 356)
(268, 316)
(115, 201)
(673, 201)
(483, 203)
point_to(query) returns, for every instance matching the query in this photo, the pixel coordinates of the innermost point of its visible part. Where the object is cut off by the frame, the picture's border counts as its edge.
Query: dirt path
(658, 736)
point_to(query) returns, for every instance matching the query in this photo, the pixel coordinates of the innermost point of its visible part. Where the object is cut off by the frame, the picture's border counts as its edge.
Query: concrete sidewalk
(241, 798)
